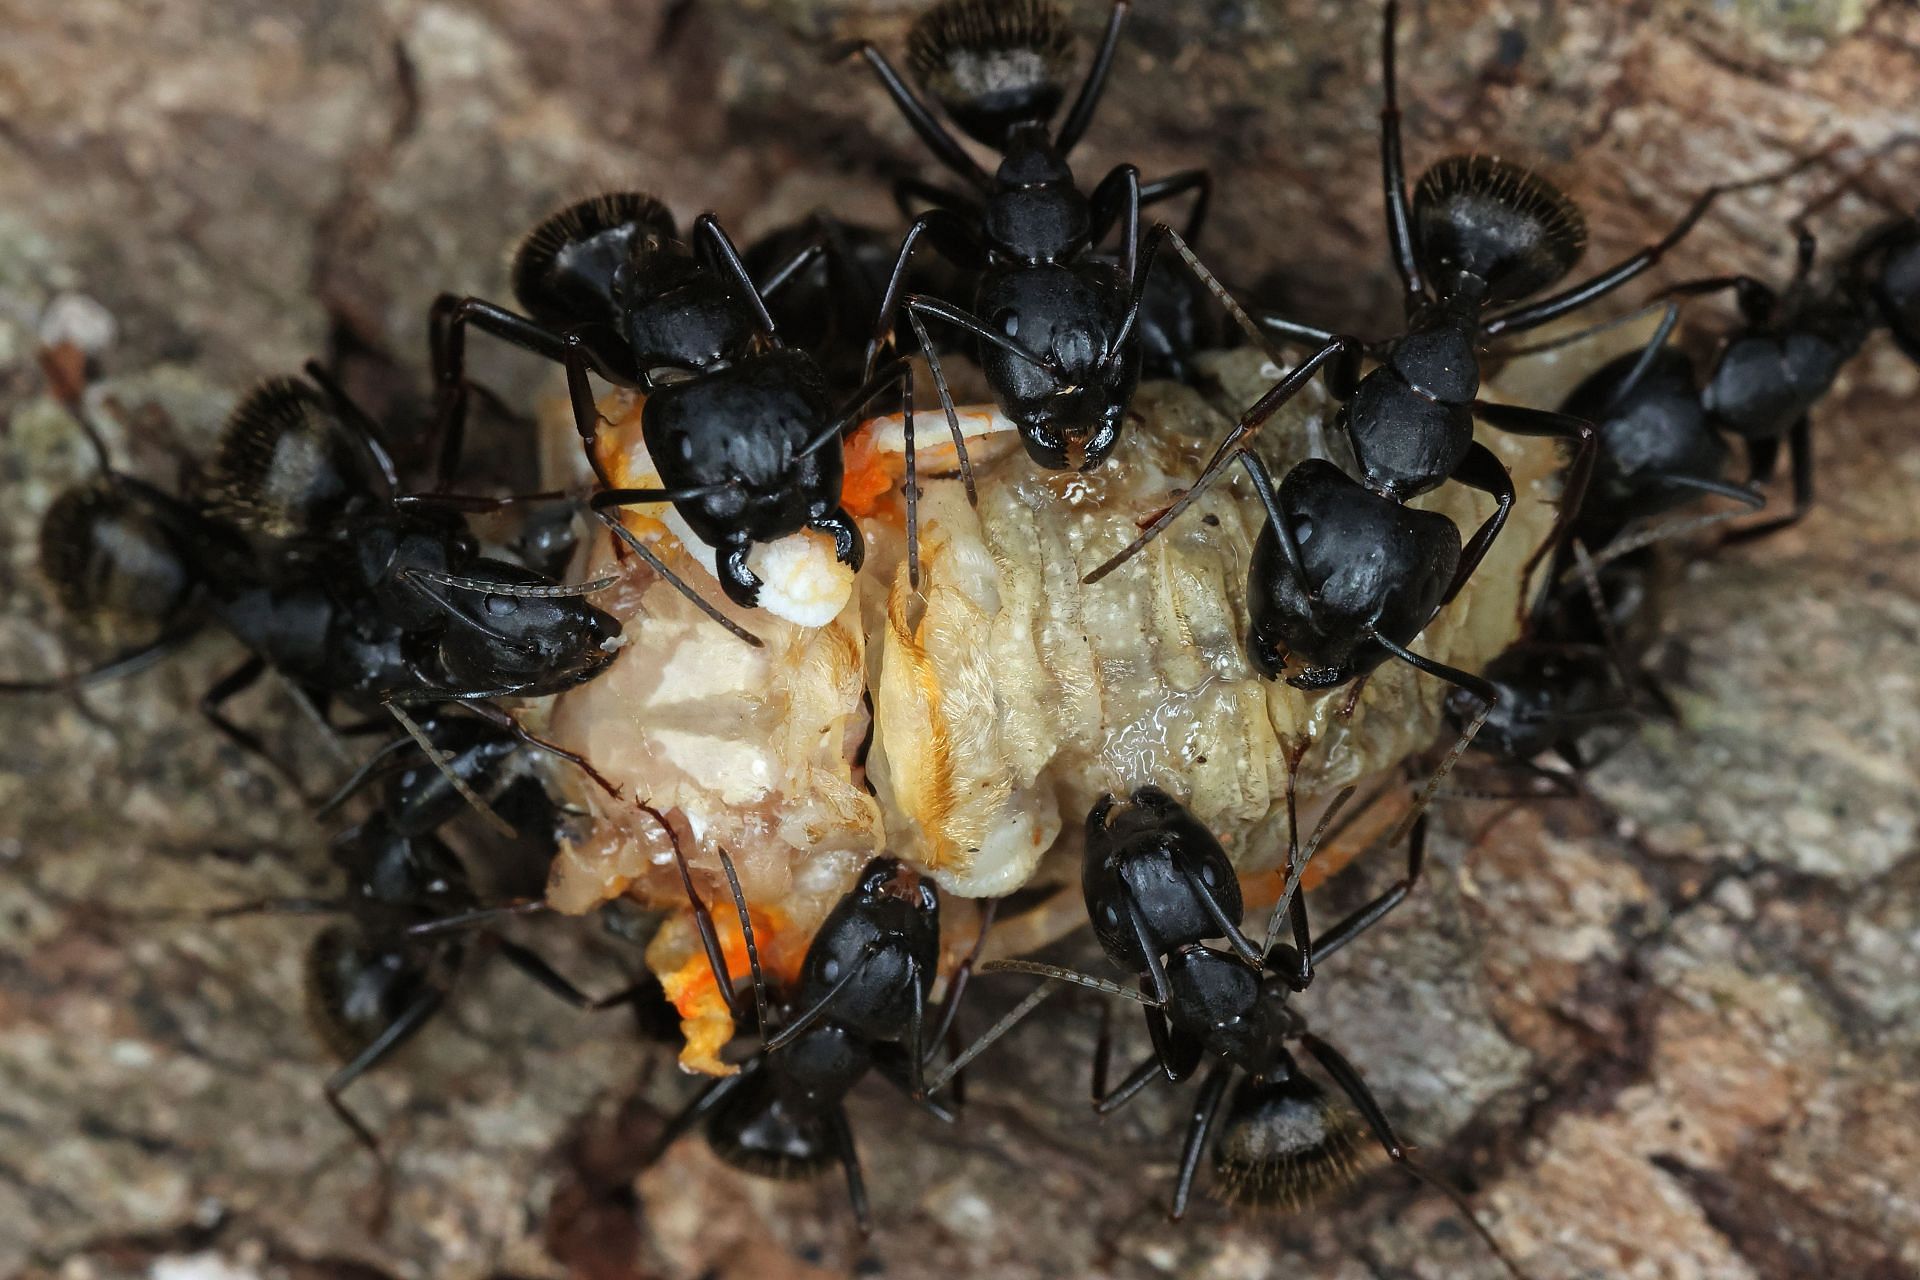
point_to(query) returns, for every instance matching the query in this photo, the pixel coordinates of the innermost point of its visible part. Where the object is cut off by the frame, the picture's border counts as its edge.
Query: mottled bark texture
(1670, 1035)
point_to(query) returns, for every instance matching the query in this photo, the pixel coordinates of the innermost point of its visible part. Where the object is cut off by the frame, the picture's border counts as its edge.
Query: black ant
(1157, 885)
(741, 428)
(375, 979)
(862, 1003)
(306, 554)
(1662, 420)
(1478, 236)
(1059, 327)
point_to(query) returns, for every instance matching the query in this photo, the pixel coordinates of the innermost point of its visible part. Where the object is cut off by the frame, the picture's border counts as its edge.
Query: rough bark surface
(1671, 1034)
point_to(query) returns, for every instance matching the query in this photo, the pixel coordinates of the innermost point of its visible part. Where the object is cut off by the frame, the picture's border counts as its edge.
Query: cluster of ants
(304, 541)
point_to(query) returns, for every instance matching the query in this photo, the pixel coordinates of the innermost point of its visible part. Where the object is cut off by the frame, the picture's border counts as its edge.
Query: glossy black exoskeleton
(1662, 420)
(305, 553)
(1058, 326)
(742, 430)
(1477, 237)
(1158, 885)
(862, 1003)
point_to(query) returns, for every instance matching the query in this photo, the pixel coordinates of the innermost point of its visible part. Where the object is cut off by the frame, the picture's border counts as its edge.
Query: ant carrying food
(862, 1004)
(1059, 327)
(742, 429)
(1157, 886)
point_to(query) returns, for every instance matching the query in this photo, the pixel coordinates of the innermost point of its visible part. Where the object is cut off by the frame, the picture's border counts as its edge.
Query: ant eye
(1009, 322)
(830, 970)
(500, 606)
(1112, 917)
(1302, 528)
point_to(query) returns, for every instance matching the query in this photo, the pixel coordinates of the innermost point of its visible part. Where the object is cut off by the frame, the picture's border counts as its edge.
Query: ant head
(112, 555)
(993, 64)
(288, 465)
(1478, 218)
(1154, 861)
(886, 932)
(1285, 1143)
(756, 1130)
(565, 267)
(1366, 566)
(511, 627)
(358, 987)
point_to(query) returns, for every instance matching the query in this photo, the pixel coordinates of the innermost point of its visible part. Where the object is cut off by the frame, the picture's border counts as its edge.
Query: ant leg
(842, 1136)
(379, 1049)
(1080, 115)
(678, 583)
(1363, 919)
(1137, 1079)
(724, 257)
(1198, 181)
(502, 718)
(476, 503)
(125, 663)
(1393, 169)
(1489, 698)
(1800, 444)
(1523, 421)
(962, 975)
(364, 774)
(953, 238)
(230, 686)
(1206, 1108)
(923, 122)
(1117, 197)
(1250, 421)
(1482, 470)
(695, 1111)
(448, 321)
(366, 431)
(1335, 1064)
(1598, 285)
(551, 981)
(908, 190)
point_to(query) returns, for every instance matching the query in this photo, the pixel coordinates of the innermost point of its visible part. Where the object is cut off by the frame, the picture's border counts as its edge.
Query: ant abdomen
(287, 465)
(359, 985)
(1482, 218)
(1286, 1143)
(112, 559)
(993, 64)
(757, 1131)
(568, 266)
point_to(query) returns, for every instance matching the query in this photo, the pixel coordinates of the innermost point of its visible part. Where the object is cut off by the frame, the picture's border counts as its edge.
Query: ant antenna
(444, 763)
(654, 562)
(746, 933)
(1012, 1018)
(1069, 975)
(1297, 866)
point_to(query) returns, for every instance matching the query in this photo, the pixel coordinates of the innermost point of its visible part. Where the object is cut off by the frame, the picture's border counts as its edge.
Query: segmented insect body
(862, 1003)
(741, 431)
